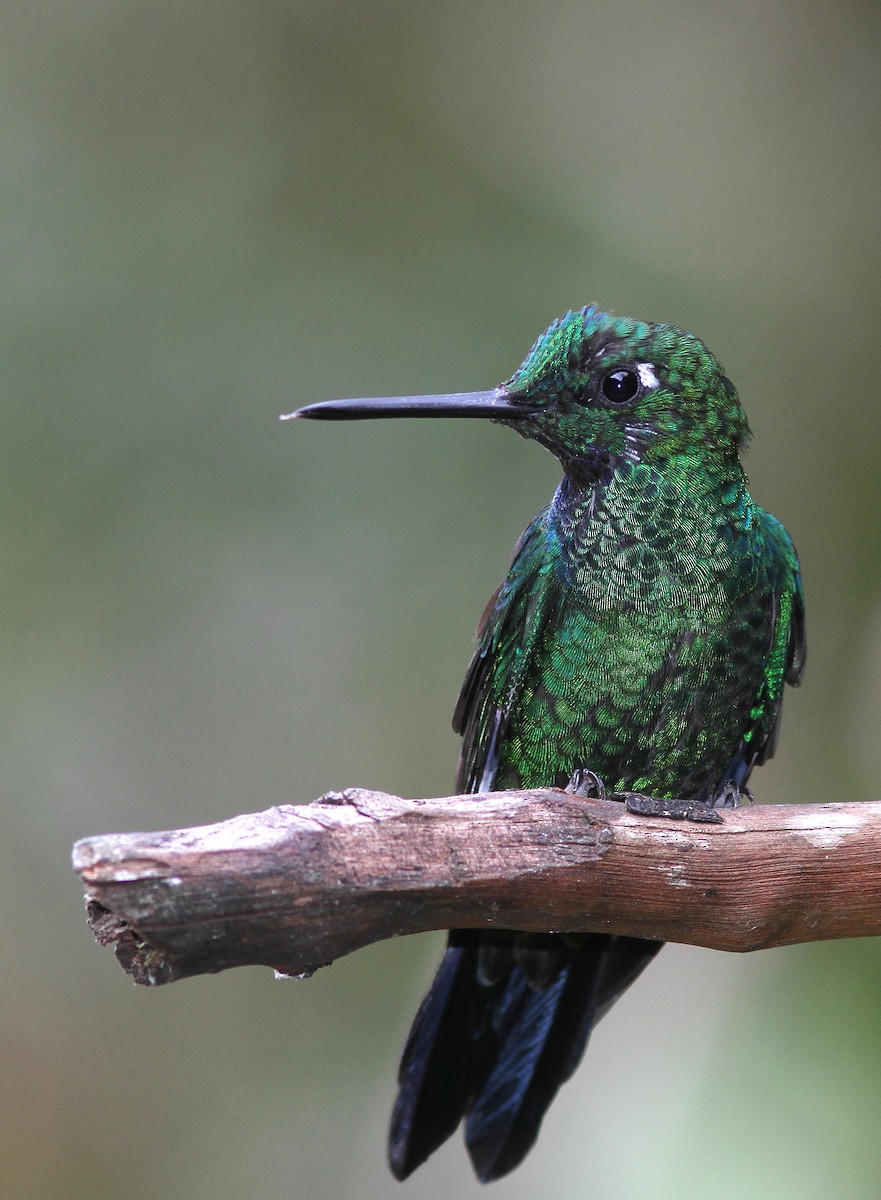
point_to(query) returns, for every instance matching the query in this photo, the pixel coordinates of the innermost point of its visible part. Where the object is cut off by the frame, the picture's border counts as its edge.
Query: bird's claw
(731, 795)
(586, 784)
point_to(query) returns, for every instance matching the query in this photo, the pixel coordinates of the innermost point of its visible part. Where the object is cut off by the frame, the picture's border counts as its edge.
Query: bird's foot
(679, 810)
(732, 795)
(586, 784)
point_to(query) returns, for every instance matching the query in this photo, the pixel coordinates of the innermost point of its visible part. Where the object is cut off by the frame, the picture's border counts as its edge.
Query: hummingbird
(639, 645)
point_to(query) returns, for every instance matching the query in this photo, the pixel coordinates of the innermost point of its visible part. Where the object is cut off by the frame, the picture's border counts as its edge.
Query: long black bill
(496, 403)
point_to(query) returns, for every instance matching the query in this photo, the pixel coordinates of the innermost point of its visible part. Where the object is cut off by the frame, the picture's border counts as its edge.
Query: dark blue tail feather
(434, 1079)
(495, 1050)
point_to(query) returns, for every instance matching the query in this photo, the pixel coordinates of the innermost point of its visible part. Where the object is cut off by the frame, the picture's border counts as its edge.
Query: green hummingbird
(640, 643)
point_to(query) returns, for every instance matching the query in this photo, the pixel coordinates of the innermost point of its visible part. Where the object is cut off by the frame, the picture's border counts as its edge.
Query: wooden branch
(295, 887)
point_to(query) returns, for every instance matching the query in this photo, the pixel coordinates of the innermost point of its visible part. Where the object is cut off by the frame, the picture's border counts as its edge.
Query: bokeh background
(213, 213)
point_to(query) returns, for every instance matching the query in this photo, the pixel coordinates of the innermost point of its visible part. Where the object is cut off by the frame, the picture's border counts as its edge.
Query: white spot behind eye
(647, 376)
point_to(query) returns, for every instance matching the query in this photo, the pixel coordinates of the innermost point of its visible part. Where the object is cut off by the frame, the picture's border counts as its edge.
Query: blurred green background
(213, 213)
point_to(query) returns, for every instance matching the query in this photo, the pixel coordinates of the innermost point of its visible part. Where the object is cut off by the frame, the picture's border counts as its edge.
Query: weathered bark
(295, 887)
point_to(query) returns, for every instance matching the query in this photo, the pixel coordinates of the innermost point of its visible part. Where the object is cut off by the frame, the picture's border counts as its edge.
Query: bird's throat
(595, 467)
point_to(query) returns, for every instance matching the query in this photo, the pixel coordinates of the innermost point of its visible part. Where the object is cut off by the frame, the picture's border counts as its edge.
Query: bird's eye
(620, 386)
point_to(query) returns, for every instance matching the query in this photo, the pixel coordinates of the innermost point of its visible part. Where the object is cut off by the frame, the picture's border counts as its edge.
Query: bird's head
(597, 390)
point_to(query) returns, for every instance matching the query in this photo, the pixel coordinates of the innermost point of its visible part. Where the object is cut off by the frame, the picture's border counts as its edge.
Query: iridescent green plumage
(644, 629)
(644, 633)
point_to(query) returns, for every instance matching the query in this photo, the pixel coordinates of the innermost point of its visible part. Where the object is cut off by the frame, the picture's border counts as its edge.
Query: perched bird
(640, 644)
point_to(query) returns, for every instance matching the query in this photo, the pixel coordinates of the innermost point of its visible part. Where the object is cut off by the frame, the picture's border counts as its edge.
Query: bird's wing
(786, 658)
(507, 635)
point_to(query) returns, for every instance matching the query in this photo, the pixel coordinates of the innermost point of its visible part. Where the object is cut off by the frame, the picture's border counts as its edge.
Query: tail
(504, 1023)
